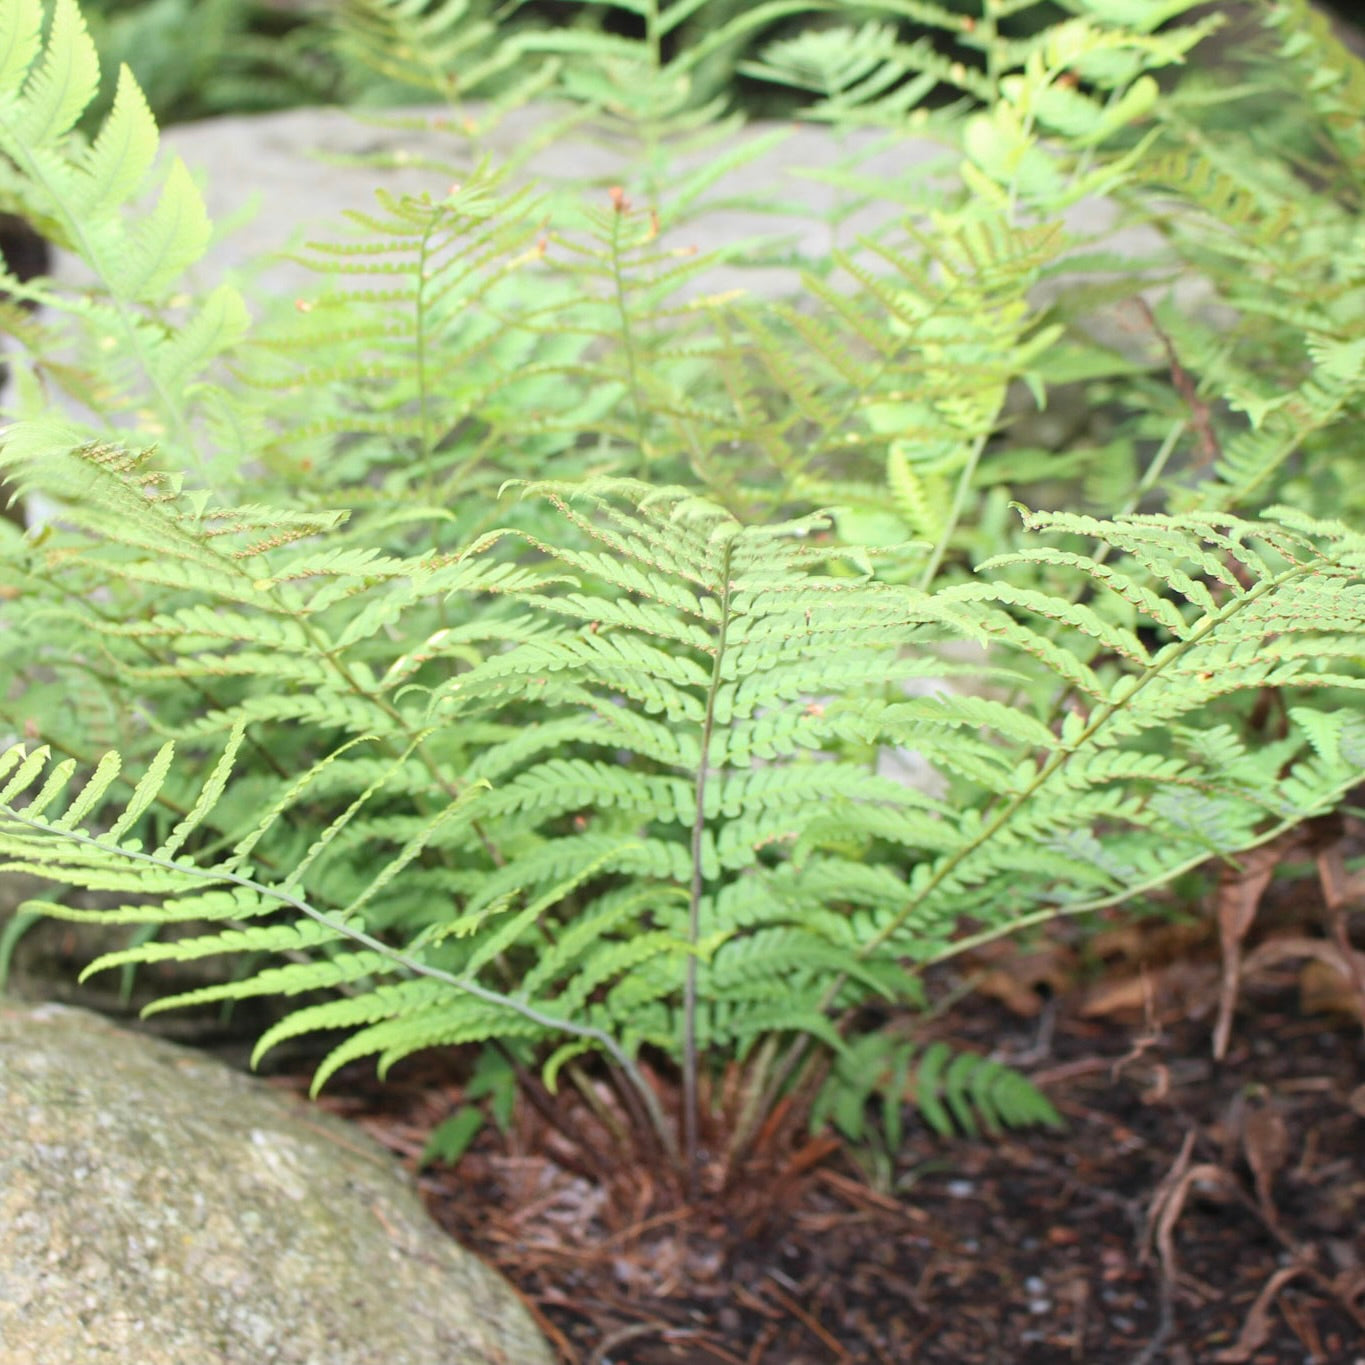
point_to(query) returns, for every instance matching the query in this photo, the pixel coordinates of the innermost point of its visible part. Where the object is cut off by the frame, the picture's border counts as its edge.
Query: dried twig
(1168, 1201)
(811, 1324)
(1256, 1326)
(1201, 417)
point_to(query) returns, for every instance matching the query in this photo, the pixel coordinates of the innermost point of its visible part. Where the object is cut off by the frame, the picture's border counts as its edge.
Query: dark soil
(1194, 1211)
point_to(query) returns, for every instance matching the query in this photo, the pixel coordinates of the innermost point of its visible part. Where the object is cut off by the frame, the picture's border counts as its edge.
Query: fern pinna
(626, 800)
(132, 346)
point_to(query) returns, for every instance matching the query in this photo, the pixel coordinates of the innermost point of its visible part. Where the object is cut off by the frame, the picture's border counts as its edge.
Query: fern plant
(194, 60)
(687, 852)
(597, 776)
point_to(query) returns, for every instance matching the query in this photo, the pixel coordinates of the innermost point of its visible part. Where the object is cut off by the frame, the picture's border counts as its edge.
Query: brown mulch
(1194, 1210)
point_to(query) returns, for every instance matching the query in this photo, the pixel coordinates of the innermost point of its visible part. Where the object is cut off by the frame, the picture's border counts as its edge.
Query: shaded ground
(1195, 1211)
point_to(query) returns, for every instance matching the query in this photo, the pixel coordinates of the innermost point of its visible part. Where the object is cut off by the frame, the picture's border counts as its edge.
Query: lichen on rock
(158, 1207)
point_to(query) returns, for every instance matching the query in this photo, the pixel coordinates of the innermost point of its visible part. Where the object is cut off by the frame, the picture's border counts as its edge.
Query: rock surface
(159, 1209)
(41, 960)
(272, 182)
(275, 180)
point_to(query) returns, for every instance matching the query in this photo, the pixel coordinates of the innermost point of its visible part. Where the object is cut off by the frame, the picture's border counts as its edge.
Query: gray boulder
(158, 1208)
(280, 179)
(276, 181)
(44, 962)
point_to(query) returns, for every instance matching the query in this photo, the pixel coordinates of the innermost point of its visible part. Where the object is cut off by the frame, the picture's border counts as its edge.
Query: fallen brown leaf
(1329, 982)
(1256, 1326)
(1265, 1143)
(1181, 988)
(1237, 901)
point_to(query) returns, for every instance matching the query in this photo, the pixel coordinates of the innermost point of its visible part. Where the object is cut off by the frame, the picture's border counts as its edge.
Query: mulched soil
(1194, 1210)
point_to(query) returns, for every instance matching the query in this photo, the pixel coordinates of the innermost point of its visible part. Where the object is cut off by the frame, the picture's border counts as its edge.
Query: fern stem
(964, 487)
(648, 129)
(988, 34)
(627, 336)
(691, 1107)
(549, 1022)
(578, 1154)
(610, 1121)
(791, 1059)
(1103, 550)
(1162, 878)
(420, 360)
(1098, 719)
(752, 1108)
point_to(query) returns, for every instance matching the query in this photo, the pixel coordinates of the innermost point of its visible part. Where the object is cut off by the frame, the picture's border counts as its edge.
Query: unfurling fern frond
(447, 50)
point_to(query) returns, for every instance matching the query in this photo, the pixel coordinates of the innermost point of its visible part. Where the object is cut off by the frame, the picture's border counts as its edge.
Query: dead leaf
(1151, 942)
(1324, 990)
(1256, 1326)
(1127, 995)
(1328, 984)
(1181, 988)
(1168, 1202)
(1265, 1143)
(1019, 997)
(1339, 892)
(1020, 980)
(1238, 899)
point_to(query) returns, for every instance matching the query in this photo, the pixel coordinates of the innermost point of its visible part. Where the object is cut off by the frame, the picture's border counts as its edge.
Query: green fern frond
(658, 884)
(441, 50)
(339, 970)
(30, 840)
(953, 1092)
(275, 938)
(447, 1023)
(80, 192)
